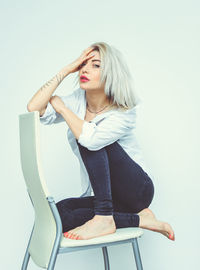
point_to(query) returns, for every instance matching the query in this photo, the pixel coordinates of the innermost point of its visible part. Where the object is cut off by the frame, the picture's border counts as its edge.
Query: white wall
(160, 40)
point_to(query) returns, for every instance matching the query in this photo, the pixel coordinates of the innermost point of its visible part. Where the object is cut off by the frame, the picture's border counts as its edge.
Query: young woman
(101, 116)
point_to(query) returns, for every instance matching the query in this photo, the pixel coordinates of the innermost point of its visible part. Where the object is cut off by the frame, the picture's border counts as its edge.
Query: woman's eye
(81, 65)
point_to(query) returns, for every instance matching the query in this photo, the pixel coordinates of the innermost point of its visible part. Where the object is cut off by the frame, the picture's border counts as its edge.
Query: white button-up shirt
(104, 129)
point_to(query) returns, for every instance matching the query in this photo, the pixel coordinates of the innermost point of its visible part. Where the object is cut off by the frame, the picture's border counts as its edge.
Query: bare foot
(148, 221)
(97, 226)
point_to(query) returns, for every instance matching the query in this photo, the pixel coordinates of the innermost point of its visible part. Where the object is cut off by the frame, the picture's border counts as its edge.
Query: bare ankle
(103, 216)
(141, 223)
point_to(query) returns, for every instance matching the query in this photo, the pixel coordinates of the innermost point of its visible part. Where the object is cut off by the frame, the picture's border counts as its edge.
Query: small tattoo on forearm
(58, 78)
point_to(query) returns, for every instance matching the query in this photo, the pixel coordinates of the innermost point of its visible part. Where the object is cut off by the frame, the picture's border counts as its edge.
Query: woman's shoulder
(123, 115)
(117, 116)
(124, 112)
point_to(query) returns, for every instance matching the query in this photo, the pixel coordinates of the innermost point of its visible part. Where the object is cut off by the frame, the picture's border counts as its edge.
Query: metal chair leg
(106, 259)
(27, 254)
(137, 254)
(56, 245)
(26, 260)
(52, 261)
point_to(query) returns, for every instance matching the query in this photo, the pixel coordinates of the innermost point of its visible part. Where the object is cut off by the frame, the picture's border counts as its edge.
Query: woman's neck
(96, 100)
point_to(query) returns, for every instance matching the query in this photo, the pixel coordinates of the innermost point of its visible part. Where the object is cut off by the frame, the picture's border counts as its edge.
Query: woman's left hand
(57, 103)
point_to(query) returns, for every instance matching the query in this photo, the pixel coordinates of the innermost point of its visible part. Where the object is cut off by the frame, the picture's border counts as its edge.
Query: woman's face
(91, 70)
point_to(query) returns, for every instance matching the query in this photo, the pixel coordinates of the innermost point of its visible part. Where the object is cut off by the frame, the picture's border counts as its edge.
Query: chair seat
(119, 235)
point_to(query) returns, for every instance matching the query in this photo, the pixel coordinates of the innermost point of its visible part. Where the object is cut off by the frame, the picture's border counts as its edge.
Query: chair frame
(57, 249)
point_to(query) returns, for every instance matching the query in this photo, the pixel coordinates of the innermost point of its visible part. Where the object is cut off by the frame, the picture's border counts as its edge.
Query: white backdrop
(160, 41)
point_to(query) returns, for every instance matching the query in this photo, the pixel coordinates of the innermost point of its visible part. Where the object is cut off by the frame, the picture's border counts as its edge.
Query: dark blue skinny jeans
(121, 188)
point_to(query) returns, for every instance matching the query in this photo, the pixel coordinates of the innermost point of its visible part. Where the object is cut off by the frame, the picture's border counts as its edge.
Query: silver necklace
(98, 111)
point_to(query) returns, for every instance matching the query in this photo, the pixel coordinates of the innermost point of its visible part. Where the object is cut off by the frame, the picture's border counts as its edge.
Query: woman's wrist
(64, 72)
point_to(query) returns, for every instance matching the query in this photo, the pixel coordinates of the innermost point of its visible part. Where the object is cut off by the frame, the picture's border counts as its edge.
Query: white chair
(47, 240)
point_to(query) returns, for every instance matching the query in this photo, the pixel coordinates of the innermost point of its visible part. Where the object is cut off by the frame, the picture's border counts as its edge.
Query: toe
(65, 234)
(74, 236)
(68, 233)
(172, 236)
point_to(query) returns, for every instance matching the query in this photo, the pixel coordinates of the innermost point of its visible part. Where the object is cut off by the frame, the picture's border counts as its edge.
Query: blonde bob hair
(119, 87)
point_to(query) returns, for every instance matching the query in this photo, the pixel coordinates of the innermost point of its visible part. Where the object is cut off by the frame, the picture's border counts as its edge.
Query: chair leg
(52, 261)
(106, 259)
(27, 254)
(26, 260)
(137, 254)
(56, 245)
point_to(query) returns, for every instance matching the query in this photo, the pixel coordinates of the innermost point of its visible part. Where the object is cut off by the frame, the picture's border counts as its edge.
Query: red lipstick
(84, 78)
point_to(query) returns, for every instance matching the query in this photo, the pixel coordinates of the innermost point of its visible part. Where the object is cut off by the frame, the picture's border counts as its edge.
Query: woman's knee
(148, 194)
(116, 153)
(107, 147)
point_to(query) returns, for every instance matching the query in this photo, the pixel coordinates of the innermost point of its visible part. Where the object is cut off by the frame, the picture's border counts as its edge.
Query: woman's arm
(42, 96)
(95, 136)
(73, 121)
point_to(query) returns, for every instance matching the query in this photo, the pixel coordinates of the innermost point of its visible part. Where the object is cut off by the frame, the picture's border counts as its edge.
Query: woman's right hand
(74, 66)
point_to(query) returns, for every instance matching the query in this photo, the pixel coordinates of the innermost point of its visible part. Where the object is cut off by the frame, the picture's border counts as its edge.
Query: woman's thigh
(70, 204)
(75, 203)
(75, 211)
(132, 188)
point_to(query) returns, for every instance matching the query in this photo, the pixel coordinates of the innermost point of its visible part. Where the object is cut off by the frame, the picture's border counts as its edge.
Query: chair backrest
(44, 231)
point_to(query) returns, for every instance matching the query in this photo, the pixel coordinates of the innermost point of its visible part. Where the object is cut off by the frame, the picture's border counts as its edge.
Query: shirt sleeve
(50, 116)
(95, 136)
